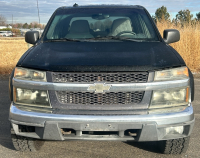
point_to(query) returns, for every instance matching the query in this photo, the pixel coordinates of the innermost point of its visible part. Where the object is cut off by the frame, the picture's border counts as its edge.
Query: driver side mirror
(171, 36)
(32, 37)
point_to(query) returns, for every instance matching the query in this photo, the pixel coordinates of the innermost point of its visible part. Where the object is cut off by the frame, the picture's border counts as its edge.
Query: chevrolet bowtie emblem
(99, 87)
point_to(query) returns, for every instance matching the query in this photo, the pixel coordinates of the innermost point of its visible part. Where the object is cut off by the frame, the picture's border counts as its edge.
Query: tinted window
(86, 23)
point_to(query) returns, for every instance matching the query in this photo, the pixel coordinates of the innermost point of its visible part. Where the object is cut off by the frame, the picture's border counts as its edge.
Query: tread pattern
(174, 146)
(26, 144)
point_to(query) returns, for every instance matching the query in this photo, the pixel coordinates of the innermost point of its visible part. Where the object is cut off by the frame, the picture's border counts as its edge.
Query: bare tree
(35, 24)
(2, 20)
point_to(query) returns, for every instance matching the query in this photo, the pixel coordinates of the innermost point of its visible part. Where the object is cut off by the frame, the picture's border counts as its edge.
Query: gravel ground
(87, 149)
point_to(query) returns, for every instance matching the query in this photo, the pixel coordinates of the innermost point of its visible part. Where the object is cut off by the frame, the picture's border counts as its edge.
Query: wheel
(26, 144)
(174, 146)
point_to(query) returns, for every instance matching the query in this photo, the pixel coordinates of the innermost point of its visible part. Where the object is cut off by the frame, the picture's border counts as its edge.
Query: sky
(26, 10)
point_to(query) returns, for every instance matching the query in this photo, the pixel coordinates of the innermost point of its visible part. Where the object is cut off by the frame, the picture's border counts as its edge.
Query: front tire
(174, 146)
(26, 144)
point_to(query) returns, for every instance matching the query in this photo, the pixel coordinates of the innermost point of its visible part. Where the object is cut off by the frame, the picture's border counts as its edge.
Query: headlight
(172, 74)
(170, 97)
(31, 97)
(28, 74)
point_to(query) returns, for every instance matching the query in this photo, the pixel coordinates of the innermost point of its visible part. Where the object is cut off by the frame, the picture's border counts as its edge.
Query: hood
(100, 56)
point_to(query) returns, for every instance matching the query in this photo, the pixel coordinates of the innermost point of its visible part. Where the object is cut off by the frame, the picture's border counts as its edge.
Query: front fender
(191, 85)
(10, 85)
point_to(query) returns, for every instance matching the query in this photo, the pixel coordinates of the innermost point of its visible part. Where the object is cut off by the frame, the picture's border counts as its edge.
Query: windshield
(97, 23)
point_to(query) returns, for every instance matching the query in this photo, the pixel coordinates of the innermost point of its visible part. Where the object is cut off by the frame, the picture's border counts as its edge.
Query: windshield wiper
(96, 38)
(63, 39)
(115, 38)
(125, 39)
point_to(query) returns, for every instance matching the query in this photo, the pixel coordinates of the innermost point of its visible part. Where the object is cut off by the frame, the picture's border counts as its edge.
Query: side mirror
(171, 36)
(32, 37)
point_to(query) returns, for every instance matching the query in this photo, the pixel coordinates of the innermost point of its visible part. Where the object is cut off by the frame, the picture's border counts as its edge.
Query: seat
(121, 25)
(79, 29)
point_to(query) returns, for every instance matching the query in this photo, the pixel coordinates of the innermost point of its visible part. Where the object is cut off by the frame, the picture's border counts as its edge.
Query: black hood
(100, 56)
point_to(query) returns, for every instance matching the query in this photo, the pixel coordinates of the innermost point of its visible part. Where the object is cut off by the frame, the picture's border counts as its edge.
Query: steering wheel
(123, 32)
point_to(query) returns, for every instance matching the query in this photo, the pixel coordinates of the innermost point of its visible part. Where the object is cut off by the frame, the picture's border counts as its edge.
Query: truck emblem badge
(99, 87)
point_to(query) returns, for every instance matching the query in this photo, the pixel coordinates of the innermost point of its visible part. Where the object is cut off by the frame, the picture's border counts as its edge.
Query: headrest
(120, 25)
(79, 26)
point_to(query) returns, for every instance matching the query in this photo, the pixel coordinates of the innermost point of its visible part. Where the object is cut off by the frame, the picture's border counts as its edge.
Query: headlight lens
(172, 74)
(170, 97)
(28, 74)
(31, 97)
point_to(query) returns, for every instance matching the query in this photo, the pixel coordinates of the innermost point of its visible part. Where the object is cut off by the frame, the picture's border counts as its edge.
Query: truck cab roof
(103, 6)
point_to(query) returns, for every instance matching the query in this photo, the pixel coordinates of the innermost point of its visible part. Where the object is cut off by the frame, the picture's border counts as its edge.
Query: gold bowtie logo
(99, 87)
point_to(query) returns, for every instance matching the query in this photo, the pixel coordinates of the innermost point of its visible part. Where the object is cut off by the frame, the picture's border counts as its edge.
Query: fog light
(174, 130)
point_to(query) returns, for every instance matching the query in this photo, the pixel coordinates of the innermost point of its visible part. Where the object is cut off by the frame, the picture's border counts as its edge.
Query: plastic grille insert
(129, 77)
(91, 98)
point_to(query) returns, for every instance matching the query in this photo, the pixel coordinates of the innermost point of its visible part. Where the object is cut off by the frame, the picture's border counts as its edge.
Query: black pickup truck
(101, 73)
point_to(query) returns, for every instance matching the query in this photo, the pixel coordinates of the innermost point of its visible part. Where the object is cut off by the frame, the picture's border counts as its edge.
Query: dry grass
(189, 44)
(11, 49)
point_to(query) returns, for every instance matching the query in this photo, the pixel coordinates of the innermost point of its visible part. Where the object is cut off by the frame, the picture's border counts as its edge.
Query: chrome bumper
(151, 127)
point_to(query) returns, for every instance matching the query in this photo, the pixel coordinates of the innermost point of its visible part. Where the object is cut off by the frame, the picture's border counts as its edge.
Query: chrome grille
(88, 98)
(128, 77)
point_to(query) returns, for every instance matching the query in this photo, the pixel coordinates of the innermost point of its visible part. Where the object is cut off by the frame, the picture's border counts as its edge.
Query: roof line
(103, 5)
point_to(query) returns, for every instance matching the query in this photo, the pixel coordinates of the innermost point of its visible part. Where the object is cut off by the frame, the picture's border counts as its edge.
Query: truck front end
(88, 86)
(140, 106)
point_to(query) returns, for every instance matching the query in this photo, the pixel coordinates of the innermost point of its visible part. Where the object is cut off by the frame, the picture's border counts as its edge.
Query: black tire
(174, 146)
(26, 144)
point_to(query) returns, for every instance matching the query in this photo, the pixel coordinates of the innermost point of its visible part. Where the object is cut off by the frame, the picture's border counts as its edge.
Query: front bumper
(149, 127)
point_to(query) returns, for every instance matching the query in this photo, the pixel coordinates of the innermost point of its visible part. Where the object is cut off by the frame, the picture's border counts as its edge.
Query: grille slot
(129, 77)
(91, 98)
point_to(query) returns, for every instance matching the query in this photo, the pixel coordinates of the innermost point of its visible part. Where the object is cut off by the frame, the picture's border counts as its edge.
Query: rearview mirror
(32, 37)
(100, 16)
(171, 36)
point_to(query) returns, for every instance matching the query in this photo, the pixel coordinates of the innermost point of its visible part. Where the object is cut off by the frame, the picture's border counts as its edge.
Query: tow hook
(65, 132)
(132, 134)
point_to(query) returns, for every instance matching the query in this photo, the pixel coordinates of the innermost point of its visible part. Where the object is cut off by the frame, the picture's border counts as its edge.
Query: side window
(61, 29)
(144, 27)
(141, 26)
(54, 31)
